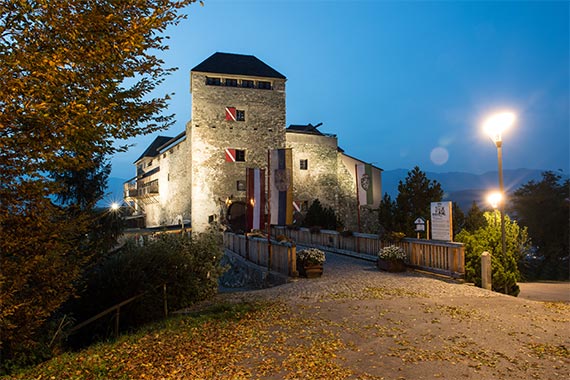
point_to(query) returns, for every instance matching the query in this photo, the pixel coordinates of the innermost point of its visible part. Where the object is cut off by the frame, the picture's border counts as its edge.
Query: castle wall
(214, 179)
(319, 180)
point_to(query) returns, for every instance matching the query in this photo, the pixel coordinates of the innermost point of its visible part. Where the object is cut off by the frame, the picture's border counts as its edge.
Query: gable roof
(309, 128)
(152, 149)
(237, 64)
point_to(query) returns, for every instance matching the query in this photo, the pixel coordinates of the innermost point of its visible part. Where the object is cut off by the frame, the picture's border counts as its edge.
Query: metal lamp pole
(494, 127)
(499, 145)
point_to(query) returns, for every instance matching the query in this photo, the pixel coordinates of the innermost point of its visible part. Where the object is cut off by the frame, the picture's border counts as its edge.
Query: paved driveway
(549, 291)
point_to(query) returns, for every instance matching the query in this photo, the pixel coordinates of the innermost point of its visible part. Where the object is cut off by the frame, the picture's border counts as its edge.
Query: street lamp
(494, 126)
(494, 199)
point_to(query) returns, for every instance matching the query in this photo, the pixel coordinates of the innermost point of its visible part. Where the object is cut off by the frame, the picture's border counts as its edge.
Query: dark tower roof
(237, 64)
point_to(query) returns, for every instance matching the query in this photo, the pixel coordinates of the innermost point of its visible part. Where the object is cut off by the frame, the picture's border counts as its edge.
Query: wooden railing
(280, 257)
(433, 256)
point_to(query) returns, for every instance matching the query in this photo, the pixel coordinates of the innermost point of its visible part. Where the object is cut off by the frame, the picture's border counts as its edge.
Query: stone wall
(214, 180)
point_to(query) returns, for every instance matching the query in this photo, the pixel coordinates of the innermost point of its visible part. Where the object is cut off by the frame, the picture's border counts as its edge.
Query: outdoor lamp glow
(496, 124)
(494, 199)
(115, 206)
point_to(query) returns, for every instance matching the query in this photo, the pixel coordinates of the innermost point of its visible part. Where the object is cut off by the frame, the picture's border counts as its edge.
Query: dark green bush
(321, 216)
(189, 266)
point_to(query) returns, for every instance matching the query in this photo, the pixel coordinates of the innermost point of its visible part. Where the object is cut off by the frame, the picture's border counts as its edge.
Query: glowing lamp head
(495, 125)
(495, 199)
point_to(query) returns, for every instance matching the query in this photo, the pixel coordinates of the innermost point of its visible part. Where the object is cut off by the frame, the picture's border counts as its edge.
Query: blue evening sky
(400, 83)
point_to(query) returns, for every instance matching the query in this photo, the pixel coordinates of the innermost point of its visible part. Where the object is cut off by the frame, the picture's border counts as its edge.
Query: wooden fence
(280, 257)
(433, 256)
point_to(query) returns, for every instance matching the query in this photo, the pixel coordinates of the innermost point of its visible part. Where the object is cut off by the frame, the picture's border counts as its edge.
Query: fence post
(165, 300)
(486, 270)
(117, 322)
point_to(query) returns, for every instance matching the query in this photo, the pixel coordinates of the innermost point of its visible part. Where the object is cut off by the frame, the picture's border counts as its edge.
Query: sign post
(420, 226)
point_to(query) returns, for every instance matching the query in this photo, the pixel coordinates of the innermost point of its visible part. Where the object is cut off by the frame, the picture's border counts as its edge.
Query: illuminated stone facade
(238, 115)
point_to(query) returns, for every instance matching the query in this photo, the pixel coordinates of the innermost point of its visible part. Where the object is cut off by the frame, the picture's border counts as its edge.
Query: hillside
(464, 188)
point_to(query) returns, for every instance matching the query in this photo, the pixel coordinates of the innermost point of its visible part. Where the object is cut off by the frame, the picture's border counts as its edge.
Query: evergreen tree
(387, 214)
(505, 272)
(458, 218)
(544, 207)
(414, 199)
(474, 219)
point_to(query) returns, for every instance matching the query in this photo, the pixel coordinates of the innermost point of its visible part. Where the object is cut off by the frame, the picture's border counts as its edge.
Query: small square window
(231, 82)
(213, 81)
(240, 155)
(240, 185)
(304, 164)
(240, 115)
(247, 83)
(263, 85)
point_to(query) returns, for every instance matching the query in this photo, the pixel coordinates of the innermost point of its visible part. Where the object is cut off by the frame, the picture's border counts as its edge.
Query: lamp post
(494, 126)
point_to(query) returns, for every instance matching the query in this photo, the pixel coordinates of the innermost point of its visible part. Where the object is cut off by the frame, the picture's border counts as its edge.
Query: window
(247, 83)
(213, 81)
(231, 82)
(240, 155)
(263, 85)
(240, 185)
(304, 164)
(240, 115)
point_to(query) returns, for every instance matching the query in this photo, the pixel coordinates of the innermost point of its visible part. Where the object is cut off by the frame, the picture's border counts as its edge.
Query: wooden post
(165, 300)
(486, 278)
(117, 315)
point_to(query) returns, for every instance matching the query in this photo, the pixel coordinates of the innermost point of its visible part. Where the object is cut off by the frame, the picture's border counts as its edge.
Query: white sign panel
(441, 221)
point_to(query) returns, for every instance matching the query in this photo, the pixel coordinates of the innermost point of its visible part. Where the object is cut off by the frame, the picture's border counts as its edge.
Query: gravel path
(411, 326)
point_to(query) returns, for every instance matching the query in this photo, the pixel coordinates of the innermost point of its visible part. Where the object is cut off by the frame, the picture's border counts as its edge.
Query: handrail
(118, 307)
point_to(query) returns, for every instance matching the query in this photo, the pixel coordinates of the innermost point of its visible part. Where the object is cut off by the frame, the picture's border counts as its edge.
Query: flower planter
(310, 270)
(391, 265)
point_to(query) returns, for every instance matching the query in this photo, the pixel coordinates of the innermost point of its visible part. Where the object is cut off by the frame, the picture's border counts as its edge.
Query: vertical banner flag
(255, 195)
(364, 182)
(281, 187)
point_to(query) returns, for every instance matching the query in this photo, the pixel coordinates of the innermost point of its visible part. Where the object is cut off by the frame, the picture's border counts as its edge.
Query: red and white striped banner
(255, 195)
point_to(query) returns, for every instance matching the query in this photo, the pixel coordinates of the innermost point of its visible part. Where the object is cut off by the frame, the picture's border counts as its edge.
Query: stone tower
(238, 114)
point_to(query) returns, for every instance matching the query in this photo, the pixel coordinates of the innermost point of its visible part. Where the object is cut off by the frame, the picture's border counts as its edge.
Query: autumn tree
(414, 198)
(544, 207)
(76, 75)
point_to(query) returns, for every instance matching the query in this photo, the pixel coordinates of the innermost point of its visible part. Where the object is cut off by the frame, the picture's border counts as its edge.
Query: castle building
(238, 115)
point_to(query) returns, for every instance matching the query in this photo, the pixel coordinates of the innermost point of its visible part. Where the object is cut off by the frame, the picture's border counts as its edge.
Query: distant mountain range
(465, 188)
(460, 187)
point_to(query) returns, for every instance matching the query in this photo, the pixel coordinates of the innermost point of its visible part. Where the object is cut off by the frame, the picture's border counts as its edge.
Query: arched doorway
(236, 216)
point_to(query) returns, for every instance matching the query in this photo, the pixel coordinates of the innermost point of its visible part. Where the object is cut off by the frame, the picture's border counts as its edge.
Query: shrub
(189, 266)
(392, 252)
(505, 272)
(311, 256)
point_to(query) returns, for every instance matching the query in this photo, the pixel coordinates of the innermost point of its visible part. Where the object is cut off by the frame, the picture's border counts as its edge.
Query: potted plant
(310, 262)
(391, 259)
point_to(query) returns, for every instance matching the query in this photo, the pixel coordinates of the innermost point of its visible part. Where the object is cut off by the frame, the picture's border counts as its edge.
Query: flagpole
(269, 207)
(357, 195)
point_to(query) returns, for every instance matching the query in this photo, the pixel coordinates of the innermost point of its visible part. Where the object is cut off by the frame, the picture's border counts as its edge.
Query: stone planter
(391, 265)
